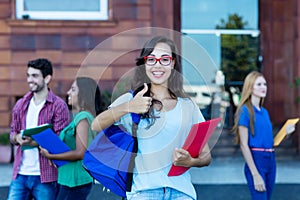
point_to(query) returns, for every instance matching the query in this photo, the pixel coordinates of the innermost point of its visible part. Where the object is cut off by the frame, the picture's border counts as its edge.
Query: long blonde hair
(246, 100)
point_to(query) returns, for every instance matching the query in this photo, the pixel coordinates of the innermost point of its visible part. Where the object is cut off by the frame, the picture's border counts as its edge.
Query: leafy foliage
(4, 139)
(239, 52)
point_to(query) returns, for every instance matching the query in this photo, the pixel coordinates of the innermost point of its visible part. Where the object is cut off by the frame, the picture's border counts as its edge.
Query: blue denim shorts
(164, 193)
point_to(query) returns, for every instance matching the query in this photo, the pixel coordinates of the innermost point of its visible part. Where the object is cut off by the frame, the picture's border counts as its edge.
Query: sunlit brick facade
(67, 43)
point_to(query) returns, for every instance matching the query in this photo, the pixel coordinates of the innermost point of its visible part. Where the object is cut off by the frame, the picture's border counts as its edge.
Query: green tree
(239, 52)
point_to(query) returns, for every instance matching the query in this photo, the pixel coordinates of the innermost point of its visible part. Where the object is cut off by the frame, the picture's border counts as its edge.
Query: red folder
(195, 141)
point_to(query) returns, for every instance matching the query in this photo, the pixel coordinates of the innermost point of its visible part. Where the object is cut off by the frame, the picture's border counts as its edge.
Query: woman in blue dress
(254, 134)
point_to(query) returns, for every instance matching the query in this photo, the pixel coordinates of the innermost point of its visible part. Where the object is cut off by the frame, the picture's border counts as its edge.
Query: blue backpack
(110, 157)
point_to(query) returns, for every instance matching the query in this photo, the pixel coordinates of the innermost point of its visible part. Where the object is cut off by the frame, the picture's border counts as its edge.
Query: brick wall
(280, 25)
(69, 44)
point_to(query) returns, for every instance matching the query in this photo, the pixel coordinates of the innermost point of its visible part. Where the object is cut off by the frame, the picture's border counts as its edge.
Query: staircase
(225, 145)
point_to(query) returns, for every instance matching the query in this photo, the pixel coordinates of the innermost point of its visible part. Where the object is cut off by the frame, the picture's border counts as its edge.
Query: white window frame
(102, 14)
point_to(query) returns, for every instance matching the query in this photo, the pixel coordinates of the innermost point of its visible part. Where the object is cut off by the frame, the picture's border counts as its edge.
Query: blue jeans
(28, 187)
(266, 166)
(70, 193)
(164, 193)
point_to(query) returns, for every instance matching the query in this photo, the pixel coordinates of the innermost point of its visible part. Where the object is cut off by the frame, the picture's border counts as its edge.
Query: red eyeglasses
(164, 60)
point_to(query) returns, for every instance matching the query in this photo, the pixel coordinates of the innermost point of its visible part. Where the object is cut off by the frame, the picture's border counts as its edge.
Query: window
(62, 9)
(199, 20)
(210, 47)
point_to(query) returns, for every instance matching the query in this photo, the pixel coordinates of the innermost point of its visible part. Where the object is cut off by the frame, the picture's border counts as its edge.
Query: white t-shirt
(30, 161)
(156, 144)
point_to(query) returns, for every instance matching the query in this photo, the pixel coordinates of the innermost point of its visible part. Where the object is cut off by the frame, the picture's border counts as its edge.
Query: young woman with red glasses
(167, 117)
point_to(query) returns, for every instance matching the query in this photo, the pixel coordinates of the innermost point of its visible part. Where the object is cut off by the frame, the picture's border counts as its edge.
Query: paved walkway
(223, 179)
(221, 171)
(5, 174)
(231, 171)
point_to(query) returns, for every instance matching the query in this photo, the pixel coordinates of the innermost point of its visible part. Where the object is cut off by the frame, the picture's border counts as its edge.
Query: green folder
(32, 131)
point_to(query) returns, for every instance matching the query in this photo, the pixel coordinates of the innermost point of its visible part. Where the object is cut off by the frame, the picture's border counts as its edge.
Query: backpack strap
(131, 165)
(135, 121)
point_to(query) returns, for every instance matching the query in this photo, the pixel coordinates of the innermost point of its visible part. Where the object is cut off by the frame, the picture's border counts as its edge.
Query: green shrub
(4, 138)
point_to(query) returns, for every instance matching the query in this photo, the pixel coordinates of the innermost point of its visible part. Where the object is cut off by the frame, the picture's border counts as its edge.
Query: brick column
(279, 25)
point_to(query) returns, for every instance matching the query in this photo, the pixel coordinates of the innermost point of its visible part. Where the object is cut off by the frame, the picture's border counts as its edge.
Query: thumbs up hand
(140, 104)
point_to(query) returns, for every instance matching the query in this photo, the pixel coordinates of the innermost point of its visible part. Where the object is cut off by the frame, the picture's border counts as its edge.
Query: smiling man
(33, 176)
